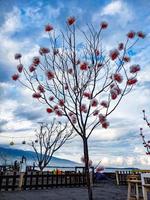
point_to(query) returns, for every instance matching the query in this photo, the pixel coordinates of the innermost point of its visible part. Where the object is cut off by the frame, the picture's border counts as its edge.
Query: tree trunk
(87, 172)
(40, 166)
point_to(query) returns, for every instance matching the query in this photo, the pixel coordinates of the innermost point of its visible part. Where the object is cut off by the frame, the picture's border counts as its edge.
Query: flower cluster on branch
(78, 84)
(145, 143)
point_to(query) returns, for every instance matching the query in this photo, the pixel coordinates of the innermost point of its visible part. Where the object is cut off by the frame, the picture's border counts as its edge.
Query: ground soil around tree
(106, 190)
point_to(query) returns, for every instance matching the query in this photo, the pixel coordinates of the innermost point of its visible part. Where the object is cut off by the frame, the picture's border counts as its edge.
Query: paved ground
(102, 191)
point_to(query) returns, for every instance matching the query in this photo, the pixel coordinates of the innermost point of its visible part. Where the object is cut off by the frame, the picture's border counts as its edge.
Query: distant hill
(16, 154)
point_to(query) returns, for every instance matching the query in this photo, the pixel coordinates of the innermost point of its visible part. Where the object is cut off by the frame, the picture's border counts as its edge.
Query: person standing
(23, 166)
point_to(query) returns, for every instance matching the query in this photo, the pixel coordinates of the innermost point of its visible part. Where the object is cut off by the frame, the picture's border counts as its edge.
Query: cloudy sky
(22, 30)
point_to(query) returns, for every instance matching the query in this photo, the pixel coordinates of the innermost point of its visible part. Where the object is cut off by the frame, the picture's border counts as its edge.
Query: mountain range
(12, 154)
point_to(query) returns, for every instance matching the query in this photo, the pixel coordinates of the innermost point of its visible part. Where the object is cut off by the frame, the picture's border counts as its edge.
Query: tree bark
(87, 172)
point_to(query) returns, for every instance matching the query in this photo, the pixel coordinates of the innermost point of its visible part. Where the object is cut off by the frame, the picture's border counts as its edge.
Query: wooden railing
(121, 176)
(40, 180)
(8, 181)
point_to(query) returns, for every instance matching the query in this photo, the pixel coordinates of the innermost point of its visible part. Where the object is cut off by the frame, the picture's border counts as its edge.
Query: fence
(8, 181)
(121, 176)
(40, 180)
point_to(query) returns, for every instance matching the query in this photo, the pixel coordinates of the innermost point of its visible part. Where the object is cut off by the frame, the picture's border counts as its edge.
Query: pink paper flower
(56, 107)
(17, 56)
(113, 94)
(48, 28)
(102, 118)
(131, 81)
(120, 46)
(114, 54)
(71, 20)
(99, 169)
(105, 124)
(131, 34)
(44, 50)
(117, 89)
(71, 114)
(96, 51)
(82, 159)
(32, 68)
(61, 102)
(140, 34)
(70, 71)
(104, 104)
(51, 98)
(95, 112)
(20, 68)
(134, 69)
(59, 112)
(15, 77)
(50, 75)
(36, 60)
(104, 25)
(118, 77)
(41, 88)
(94, 102)
(66, 86)
(84, 66)
(90, 163)
(49, 110)
(87, 94)
(36, 95)
(83, 108)
(126, 59)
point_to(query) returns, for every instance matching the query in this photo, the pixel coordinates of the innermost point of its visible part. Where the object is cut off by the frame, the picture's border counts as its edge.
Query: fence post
(47, 178)
(42, 174)
(7, 181)
(25, 181)
(91, 177)
(117, 177)
(31, 176)
(37, 175)
(14, 181)
(1, 180)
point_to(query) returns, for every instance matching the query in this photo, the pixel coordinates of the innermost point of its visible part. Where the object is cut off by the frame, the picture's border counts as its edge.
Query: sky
(22, 30)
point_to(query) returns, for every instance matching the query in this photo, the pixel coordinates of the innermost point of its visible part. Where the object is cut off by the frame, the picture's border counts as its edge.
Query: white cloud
(36, 14)
(113, 8)
(12, 22)
(118, 9)
(139, 150)
(108, 134)
(54, 12)
(9, 46)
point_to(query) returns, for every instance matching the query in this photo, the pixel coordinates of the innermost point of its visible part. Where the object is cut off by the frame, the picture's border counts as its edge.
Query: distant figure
(23, 159)
(23, 166)
(15, 165)
(33, 166)
(99, 174)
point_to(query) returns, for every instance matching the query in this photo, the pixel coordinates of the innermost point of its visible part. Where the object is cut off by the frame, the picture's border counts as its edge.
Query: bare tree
(145, 143)
(81, 80)
(49, 139)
